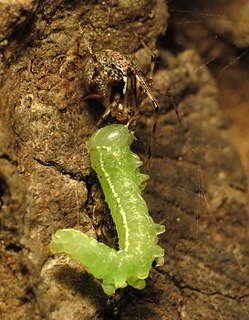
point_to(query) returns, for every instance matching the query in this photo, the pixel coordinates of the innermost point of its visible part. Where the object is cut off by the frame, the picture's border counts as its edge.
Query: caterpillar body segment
(122, 183)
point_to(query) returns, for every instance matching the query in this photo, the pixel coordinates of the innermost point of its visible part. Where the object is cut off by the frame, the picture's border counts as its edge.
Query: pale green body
(122, 183)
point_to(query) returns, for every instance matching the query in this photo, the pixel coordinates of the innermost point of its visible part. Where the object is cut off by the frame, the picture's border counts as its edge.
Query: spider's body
(112, 78)
(109, 70)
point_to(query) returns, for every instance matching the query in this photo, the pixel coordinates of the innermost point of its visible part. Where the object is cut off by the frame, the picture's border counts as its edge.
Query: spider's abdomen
(108, 71)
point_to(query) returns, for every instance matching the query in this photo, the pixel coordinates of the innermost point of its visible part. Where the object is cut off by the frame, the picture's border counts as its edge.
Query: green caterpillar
(122, 183)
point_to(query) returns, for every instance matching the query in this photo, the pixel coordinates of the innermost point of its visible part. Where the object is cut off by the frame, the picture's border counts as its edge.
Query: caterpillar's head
(114, 135)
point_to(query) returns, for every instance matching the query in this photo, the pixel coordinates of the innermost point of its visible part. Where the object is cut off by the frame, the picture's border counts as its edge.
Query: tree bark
(197, 187)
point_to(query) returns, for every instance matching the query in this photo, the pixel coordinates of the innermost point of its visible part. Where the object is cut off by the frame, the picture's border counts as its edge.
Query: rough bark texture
(197, 187)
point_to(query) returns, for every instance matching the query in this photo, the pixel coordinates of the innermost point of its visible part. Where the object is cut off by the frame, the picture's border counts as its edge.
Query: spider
(112, 78)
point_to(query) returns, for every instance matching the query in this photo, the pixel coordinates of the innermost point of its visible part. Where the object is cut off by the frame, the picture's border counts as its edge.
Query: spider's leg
(152, 60)
(152, 67)
(98, 66)
(154, 102)
(89, 47)
(130, 97)
(147, 85)
(108, 110)
(177, 109)
(126, 93)
(103, 117)
(132, 107)
(92, 96)
(156, 107)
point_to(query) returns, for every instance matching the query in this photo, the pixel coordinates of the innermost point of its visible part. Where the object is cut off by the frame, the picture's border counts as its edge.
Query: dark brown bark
(197, 187)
